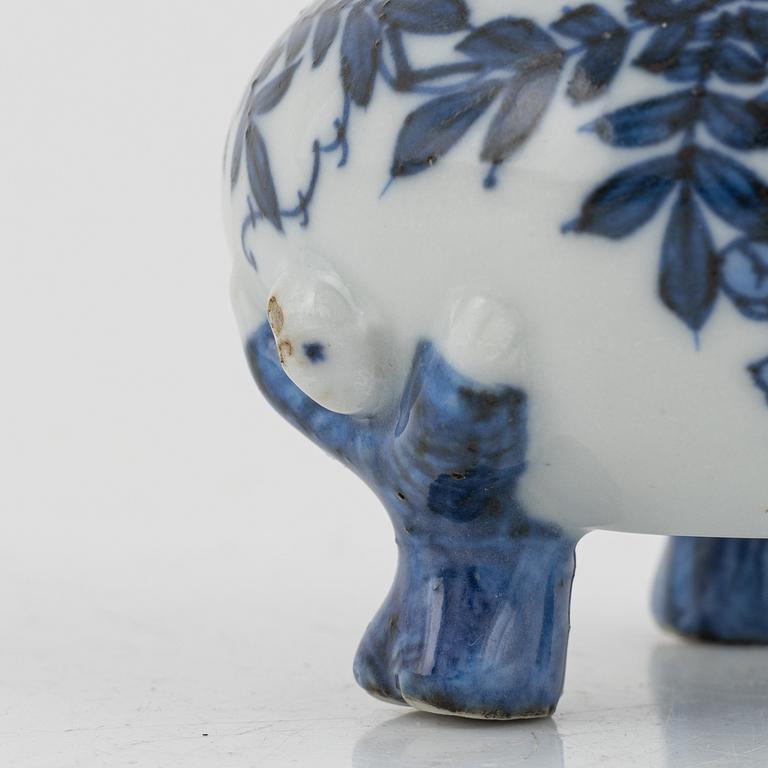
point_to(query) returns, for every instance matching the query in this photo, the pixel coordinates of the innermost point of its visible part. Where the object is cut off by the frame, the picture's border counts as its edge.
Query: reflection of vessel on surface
(421, 741)
(713, 701)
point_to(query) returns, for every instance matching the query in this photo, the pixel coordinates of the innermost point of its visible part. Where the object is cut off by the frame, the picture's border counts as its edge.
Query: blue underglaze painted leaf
(597, 68)
(328, 25)
(735, 65)
(260, 176)
(667, 11)
(525, 100)
(745, 277)
(268, 64)
(754, 29)
(628, 200)
(510, 41)
(360, 47)
(433, 129)
(297, 38)
(736, 122)
(587, 23)
(437, 17)
(689, 280)
(691, 66)
(266, 99)
(262, 73)
(663, 50)
(732, 191)
(647, 122)
(759, 373)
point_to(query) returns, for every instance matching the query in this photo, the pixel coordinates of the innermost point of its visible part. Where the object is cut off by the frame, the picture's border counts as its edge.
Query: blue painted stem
(714, 589)
(477, 621)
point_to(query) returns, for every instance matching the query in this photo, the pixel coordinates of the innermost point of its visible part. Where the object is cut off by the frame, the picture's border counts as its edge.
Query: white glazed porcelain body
(636, 423)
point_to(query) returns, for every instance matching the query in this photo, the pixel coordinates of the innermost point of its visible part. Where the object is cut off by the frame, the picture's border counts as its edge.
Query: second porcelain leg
(714, 589)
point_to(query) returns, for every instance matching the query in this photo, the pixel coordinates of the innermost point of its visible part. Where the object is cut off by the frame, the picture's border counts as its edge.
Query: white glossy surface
(632, 428)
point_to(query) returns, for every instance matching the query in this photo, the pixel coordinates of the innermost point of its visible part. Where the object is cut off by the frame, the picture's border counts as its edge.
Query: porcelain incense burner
(508, 261)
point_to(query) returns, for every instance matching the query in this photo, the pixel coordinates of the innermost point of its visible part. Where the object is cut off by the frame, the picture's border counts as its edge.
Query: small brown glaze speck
(286, 350)
(275, 315)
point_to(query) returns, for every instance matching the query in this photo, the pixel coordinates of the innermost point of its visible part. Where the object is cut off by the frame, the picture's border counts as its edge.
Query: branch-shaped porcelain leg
(335, 433)
(714, 589)
(477, 621)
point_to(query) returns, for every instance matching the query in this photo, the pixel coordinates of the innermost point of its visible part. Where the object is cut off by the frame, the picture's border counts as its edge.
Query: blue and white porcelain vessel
(508, 261)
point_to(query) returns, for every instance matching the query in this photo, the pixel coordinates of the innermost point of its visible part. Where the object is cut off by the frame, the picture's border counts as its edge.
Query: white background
(174, 560)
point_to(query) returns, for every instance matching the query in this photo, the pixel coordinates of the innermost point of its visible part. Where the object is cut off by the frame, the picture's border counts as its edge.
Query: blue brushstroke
(315, 352)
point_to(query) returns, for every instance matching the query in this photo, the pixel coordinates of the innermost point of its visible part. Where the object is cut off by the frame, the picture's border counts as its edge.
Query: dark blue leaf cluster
(688, 46)
(519, 65)
(265, 69)
(605, 44)
(266, 94)
(693, 42)
(690, 263)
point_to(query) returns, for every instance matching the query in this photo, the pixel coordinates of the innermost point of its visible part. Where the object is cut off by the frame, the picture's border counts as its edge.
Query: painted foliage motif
(711, 60)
